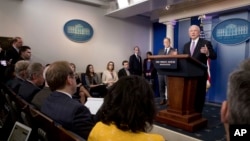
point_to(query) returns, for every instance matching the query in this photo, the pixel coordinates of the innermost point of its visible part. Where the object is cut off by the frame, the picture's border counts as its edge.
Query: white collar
(17, 49)
(196, 40)
(65, 93)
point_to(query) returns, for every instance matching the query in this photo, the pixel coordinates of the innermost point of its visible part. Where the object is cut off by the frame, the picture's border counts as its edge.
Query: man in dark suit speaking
(201, 50)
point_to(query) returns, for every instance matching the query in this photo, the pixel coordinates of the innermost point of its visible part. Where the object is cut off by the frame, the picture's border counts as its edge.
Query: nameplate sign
(170, 63)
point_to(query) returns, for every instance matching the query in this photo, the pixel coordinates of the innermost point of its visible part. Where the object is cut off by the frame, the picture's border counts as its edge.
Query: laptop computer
(20, 132)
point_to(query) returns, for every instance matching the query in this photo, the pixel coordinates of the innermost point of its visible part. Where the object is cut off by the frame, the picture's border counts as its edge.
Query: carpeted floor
(214, 130)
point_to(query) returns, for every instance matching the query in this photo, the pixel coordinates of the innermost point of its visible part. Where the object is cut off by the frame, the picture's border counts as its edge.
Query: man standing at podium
(201, 50)
(162, 78)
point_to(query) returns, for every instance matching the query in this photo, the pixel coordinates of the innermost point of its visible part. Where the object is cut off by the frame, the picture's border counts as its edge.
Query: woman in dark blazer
(149, 70)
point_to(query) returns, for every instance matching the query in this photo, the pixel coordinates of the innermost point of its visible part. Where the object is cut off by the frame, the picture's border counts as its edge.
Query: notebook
(94, 104)
(20, 132)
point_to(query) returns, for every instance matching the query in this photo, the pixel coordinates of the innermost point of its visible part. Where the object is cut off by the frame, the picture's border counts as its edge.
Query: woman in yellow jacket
(127, 112)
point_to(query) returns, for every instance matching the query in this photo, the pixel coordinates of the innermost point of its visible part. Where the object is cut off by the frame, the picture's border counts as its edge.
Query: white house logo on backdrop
(232, 31)
(78, 30)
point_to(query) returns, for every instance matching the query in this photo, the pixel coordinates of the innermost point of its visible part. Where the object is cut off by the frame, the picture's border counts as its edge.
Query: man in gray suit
(167, 50)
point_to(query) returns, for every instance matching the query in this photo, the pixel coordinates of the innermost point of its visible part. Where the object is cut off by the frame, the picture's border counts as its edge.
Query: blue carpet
(214, 130)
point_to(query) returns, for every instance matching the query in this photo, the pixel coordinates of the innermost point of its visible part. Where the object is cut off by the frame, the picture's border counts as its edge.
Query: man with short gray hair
(236, 110)
(20, 75)
(34, 80)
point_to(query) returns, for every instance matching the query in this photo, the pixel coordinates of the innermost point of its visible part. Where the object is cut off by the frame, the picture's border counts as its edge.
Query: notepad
(94, 104)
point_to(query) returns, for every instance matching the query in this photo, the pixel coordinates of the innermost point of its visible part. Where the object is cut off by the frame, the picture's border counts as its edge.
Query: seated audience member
(20, 75)
(31, 85)
(109, 76)
(39, 98)
(73, 66)
(236, 110)
(60, 106)
(125, 70)
(9, 73)
(127, 113)
(25, 53)
(93, 82)
(149, 70)
(81, 93)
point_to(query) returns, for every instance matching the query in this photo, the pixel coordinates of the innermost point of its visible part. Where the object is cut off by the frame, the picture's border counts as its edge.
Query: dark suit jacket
(200, 56)
(40, 97)
(201, 84)
(122, 72)
(135, 65)
(151, 70)
(11, 53)
(27, 90)
(161, 51)
(71, 114)
(15, 84)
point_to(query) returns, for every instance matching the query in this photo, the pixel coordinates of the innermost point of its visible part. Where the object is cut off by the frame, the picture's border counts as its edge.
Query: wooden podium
(182, 73)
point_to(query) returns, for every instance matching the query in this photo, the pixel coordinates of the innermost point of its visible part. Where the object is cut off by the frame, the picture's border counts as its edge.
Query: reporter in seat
(60, 106)
(236, 110)
(127, 112)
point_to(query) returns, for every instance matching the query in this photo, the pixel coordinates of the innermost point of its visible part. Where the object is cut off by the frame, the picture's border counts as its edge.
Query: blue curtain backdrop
(159, 33)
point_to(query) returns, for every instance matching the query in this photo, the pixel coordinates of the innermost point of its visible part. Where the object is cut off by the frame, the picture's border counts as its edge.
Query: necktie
(138, 58)
(192, 48)
(165, 51)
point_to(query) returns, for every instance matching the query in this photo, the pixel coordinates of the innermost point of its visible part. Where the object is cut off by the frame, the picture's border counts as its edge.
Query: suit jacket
(40, 97)
(201, 84)
(15, 84)
(28, 90)
(93, 81)
(122, 72)
(161, 51)
(107, 77)
(12, 53)
(151, 70)
(71, 114)
(200, 56)
(135, 65)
